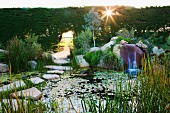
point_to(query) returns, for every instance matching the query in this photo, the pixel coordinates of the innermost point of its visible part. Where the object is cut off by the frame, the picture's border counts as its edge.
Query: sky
(79, 3)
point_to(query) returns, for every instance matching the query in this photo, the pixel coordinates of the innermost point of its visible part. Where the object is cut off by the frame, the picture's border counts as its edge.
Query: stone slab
(36, 80)
(31, 93)
(13, 85)
(61, 61)
(55, 72)
(51, 76)
(13, 103)
(53, 67)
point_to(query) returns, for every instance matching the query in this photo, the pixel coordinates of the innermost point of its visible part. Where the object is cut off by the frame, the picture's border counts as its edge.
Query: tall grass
(22, 51)
(151, 93)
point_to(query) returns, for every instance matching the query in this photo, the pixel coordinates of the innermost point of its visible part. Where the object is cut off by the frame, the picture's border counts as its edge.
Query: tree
(93, 21)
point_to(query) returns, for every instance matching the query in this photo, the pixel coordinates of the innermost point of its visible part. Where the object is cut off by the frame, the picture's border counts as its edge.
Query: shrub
(93, 58)
(121, 38)
(111, 60)
(22, 51)
(125, 33)
(82, 42)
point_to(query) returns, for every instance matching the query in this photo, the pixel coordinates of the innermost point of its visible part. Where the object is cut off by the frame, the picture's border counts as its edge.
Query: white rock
(51, 76)
(3, 68)
(81, 61)
(54, 67)
(55, 72)
(36, 80)
(13, 85)
(113, 38)
(61, 61)
(157, 51)
(93, 49)
(107, 45)
(32, 93)
(116, 49)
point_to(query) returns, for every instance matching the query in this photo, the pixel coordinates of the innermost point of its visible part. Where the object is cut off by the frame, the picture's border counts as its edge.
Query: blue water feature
(132, 66)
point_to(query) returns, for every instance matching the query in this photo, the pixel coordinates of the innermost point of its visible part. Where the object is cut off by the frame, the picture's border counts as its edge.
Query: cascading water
(132, 66)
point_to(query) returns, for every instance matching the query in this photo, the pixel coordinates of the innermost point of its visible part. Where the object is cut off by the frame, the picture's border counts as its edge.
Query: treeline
(49, 24)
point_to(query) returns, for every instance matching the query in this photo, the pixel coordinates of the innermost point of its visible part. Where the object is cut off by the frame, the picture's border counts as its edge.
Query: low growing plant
(93, 58)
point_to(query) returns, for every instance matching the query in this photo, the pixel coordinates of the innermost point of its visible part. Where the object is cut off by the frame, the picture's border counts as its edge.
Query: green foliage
(168, 40)
(125, 33)
(121, 38)
(93, 21)
(93, 58)
(22, 51)
(82, 42)
(111, 60)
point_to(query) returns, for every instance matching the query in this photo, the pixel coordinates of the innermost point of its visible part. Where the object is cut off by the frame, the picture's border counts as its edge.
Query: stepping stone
(12, 86)
(66, 68)
(36, 80)
(50, 76)
(32, 93)
(13, 103)
(55, 71)
(61, 61)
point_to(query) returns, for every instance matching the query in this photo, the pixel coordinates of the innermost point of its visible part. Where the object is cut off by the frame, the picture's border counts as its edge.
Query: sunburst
(108, 13)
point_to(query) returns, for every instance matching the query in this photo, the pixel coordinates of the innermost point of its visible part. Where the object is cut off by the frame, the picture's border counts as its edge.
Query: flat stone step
(12, 86)
(66, 68)
(31, 93)
(51, 76)
(55, 72)
(61, 61)
(36, 80)
(13, 103)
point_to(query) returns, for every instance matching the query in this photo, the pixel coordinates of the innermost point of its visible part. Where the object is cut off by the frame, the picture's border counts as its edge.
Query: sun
(108, 12)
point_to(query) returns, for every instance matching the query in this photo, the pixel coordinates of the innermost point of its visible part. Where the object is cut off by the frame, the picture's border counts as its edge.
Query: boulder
(157, 50)
(3, 68)
(12, 86)
(116, 49)
(32, 93)
(107, 45)
(55, 72)
(36, 80)
(33, 64)
(51, 76)
(54, 67)
(4, 51)
(81, 61)
(113, 38)
(131, 53)
(94, 49)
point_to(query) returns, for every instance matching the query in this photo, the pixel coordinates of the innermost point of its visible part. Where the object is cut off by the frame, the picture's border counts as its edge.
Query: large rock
(4, 51)
(55, 72)
(61, 61)
(32, 93)
(107, 45)
(50, 76)
(81, 61)
(33, 64)
(54, 67)
(116, 49)
(36, 80)
(12, 86)
(157, 50)
(94, 49)
(130, 53)
(3, 68)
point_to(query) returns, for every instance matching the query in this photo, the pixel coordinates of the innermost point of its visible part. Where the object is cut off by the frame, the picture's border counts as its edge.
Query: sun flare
(108, 12)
